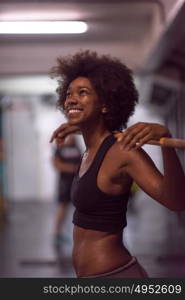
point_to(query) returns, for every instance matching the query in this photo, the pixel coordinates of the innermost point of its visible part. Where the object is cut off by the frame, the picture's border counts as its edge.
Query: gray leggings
(132, 269)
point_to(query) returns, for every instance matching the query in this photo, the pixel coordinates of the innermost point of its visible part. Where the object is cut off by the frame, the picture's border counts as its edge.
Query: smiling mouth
(74, 111)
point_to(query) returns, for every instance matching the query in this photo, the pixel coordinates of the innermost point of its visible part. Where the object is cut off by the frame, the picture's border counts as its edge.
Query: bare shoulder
(124, 156)
(137, 156)
(116, 154)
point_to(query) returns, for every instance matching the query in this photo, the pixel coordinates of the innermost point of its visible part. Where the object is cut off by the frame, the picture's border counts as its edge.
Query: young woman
(97, 95)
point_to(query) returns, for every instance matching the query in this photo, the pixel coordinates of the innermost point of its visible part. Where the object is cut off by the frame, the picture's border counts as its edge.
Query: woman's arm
(169, 188)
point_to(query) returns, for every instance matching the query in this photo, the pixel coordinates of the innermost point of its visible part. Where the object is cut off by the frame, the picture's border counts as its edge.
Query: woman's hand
(62, 132)
(140, 133)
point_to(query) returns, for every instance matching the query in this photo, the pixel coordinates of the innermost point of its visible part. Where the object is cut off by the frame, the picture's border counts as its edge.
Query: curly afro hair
(111, 79)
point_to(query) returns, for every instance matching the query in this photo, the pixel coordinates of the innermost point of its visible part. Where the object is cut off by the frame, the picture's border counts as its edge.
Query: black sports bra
(95, 209)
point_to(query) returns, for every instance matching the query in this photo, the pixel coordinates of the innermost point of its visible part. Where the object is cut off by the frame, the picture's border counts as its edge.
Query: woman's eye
(83, 92)
(68, 94)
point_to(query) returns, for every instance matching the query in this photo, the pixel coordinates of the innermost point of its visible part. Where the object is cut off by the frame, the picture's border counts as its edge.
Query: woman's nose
(71, 99)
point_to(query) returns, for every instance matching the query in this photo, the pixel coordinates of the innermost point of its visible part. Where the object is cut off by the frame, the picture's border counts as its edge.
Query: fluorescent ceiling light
(40, 27)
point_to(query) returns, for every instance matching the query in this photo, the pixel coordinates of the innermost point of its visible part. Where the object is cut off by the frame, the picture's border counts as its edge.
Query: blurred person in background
(98, 95)
(3, 202)
(65, 160)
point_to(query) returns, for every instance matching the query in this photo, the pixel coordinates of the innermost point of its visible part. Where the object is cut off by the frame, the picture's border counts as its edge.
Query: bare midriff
(97, 252)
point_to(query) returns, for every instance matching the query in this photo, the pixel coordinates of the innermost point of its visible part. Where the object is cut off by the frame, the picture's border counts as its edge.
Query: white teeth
(74, 110)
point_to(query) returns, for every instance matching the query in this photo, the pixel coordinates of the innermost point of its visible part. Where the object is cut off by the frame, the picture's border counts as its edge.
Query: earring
(104, 110)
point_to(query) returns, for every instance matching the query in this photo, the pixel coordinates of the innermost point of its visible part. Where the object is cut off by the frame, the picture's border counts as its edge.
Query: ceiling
(169, 51)
(128, 30)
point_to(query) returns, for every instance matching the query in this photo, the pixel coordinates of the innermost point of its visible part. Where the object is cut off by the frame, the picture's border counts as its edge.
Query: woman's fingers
(62, 132)
(139, 134)
(59, 141)
(132, 135)
(142, 141)
(139, 139)
(52, 137)
(58, 132)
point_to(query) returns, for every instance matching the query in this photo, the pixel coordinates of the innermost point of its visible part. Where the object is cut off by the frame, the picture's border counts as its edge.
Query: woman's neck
(93, 137)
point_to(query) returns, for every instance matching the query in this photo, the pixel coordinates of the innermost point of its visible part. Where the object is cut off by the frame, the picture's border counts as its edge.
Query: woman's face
(82, 104)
